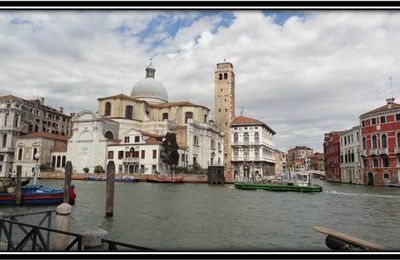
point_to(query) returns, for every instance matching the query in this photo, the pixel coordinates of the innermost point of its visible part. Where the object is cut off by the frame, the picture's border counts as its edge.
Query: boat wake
(361, 194)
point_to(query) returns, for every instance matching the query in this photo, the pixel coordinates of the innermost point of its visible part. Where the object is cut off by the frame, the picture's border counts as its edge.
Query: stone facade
(280, 163)
(296, 158)
(224, 106)
(332, 156)
(19, 116)
(350, 158)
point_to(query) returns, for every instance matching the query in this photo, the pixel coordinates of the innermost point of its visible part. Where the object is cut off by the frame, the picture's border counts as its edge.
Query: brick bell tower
(224, 106)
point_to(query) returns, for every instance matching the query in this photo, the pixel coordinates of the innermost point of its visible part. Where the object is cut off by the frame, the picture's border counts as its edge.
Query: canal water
(193, 217)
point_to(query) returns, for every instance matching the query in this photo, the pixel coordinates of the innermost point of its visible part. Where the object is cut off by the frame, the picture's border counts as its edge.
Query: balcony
(364, 153)
(383, 151)
(397, 150)
(130, 160)
(374, 152)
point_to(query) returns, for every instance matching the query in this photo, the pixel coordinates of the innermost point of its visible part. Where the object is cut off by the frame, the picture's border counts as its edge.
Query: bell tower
(224, 105)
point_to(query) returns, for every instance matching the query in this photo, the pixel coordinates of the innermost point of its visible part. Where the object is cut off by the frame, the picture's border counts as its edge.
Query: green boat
(278, 187)
(303, 184)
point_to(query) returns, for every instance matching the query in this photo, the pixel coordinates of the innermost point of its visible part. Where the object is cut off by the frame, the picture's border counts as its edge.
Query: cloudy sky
(303, 73)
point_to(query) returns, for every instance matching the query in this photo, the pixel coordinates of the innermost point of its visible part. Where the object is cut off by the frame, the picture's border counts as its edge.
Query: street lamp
(36, 172)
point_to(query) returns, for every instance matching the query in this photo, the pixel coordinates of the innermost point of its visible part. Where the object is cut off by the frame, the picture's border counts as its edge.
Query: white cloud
(308, 76)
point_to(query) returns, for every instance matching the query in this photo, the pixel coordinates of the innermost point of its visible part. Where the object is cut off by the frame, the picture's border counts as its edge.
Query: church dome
(149, 88)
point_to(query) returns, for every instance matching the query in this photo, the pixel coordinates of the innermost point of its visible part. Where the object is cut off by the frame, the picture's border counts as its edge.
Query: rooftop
(390, 105)
(247, 121)
(44, 135)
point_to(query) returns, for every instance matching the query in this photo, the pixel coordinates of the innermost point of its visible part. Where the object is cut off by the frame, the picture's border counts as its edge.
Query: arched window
(225, 76)
(235, 137)
(246, 137)
(384, 141)
(109, 135)
(63, 161)
(212, 144)
(205, 118)
(374, 143)
(256, 151)
(128, 112)
(34, 152)
(364, 142)
(188, 115)
(256, 138)
(36, 128)
(219, 146)
(20, 154)
(246, 152)
(53, 161)
(220, 76)
(58, 161)
(398, 139)
(131, 152)
(108, 109)
(195, 140)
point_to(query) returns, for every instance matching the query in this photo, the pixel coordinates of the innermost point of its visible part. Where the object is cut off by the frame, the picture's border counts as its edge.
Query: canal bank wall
(57, 175)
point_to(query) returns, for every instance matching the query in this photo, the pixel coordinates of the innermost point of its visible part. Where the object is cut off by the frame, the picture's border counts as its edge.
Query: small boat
(394, 185)
(303, 184)
(127, 179)
(38, 195)
(95, 178)
(164, 179)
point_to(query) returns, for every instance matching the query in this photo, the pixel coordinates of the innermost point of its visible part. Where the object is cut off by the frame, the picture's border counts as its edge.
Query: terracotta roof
(46, 136)
(381, 109)
(245, 121)
(178, 127)
(178, 103)
(119, 96)
(153, 140)
(149, 134)
(11, 97)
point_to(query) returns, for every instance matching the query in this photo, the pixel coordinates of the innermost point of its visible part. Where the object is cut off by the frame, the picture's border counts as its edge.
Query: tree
(169, 153)
(99, 169)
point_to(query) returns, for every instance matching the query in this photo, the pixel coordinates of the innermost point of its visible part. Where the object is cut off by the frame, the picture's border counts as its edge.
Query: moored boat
(164, 179)
(95, 178)
(38, 195)
(127, 179)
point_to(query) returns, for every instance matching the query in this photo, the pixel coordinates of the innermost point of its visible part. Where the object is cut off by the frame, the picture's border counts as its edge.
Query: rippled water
(220, 217)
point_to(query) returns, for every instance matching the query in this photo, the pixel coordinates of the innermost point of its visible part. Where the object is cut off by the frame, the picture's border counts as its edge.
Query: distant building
(253, 150)
(380, 133)
(280, 163)
(43, 144)
(20, 116)
(317, 162)
(332, 156)
(350, 159)
(296, 158)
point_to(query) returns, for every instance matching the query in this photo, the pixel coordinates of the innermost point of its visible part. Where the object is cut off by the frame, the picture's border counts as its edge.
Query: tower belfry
(224, 105)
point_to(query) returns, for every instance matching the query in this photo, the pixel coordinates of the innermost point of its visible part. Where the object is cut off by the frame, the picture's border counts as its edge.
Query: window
(4, 140)
(397, 117)
(212, 144)
(205, 118)
(195, 140)
(373, 121)
(154, 154)
(165, 116)
(126, 139)
(225, 76)
(375, 163)
(53, 161)
(153, 168)
(141, 168)
(384, 141)
(1, 157)
(129, 112)
(386, 176)
(383, 119)
(33, 154)
(143, 154)
(137, 139)
(109, 135)
(108, 109)
(374, 143)
(219, 146)
(235, 152)
(246, 137)
(256, 138)
(183, 157)
(110, 155)
(220, 76)
(398, 139)
(20, 154)
(385, 162)
(136, 154)
(188, 115)
(120, 154)
(364, 142)
(58, 161)
(63, 161)
(256, 151)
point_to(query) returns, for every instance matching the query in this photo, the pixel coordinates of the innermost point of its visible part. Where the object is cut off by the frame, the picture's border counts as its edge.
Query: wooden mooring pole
(67, 182)
(110, 189)
(18, 192)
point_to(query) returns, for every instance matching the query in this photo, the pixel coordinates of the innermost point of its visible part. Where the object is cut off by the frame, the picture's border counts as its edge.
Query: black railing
(33, 238)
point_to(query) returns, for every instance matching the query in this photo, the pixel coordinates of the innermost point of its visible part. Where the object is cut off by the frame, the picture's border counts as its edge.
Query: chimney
(389, 102)
(61, 110)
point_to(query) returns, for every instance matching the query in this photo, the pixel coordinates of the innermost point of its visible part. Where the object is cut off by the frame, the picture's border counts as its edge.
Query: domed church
(129, 130)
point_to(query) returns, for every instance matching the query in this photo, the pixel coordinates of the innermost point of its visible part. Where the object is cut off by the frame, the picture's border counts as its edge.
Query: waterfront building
(332, 156)
(380, 140)
(296, 158)
(350, 158)
(317, 162)
(148, 110)
(224, 107)
(253, 150)
(280, 163)
(20, 116)
(50, 149)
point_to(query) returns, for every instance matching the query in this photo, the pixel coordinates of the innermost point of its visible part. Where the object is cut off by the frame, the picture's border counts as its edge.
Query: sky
(304, 73)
